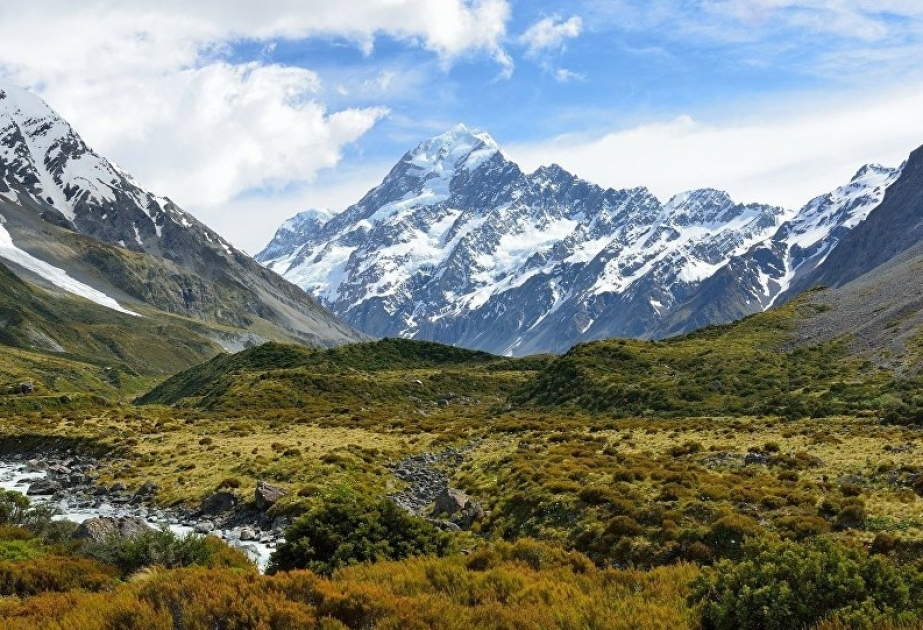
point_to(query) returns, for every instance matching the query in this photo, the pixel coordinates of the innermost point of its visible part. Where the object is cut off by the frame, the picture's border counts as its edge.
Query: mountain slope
(399, 375)
(895, 226)
(757, 279)
(47, 172)
(458, 245)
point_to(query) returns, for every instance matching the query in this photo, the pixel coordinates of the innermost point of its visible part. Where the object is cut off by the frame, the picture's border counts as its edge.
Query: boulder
(247, 533)
(267, 495)
(756, 458)
(147, 489)
(218, 503)
(103, 528)
(471, 513)
(204, 527)
(450, 501)
(43, 487)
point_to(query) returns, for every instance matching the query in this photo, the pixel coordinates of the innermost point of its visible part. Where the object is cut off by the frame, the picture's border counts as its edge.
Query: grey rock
(450, 501)
(203, 527)
(147, 489)
(247, 533)
(219, 503)
(103, 528)
(43, 487)
(267, 495)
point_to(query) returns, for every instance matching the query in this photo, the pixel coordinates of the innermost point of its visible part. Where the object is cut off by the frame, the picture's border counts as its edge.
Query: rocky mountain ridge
(458, 245)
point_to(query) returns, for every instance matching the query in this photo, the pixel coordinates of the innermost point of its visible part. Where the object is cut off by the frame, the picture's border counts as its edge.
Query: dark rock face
(103, 528)
(267, 494)
(458, 245)
(218, 503)
(892, 228)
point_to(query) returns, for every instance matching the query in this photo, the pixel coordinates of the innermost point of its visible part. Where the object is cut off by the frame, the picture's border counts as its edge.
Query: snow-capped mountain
(774, 269)
(458, 245)
(50, 177)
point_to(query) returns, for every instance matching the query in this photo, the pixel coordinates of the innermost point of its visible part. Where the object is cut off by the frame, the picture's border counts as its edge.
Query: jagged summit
(443, 156)
(458, 245)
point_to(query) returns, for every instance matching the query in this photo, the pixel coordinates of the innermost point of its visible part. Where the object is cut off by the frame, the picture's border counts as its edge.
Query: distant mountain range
(458, 245)
(90, 240)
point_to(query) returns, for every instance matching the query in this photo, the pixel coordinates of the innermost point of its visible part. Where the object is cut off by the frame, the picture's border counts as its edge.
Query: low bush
(347, 530)
(778, 586)
(163, 548)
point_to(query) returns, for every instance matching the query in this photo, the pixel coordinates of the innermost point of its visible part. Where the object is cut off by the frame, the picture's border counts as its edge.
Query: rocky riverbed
(69, 483)
(428, 493)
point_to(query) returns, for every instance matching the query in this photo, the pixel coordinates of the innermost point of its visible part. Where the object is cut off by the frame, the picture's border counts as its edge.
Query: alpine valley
(181, 474)
(458, 245)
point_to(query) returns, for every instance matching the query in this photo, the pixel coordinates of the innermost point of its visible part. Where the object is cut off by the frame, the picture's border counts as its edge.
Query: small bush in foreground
(785, 585)
(163, 548)
(350, 530)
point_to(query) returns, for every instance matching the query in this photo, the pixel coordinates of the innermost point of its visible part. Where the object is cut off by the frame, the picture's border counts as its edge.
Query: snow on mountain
(819, 225)
(458, 245)
(57, 277)
(48, 172)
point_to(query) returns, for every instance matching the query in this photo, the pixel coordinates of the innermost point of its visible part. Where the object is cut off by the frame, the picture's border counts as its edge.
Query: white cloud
(334, 190)
(549, 34)
(830, 38)
(564, 75)
(152, 86)
(783, 156)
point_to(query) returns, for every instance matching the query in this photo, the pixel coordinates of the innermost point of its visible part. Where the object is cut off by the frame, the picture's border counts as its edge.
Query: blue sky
(245, 113)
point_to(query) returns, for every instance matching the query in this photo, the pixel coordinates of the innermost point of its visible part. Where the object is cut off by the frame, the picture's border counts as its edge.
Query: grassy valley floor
(719, 480)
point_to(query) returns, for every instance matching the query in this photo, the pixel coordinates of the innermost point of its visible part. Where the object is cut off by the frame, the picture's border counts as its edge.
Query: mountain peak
(873, 172)
(314, 216)
(457, 149)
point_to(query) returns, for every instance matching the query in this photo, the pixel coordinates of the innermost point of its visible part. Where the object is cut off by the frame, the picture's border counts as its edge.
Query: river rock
(103, 528)
(218, 503)
(204, 527)
(247, 533)
(267, 495)
(43, 487)
(147, 489)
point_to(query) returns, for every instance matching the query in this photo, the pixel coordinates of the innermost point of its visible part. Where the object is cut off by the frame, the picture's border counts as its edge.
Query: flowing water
(19, 475)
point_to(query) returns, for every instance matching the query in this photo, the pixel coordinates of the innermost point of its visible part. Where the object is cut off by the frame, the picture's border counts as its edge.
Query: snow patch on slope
(56, 276)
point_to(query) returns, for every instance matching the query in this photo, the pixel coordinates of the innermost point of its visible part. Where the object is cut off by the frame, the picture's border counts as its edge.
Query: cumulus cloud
(154, 85)
(784, 157)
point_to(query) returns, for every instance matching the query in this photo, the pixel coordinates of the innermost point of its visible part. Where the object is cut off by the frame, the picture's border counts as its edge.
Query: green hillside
(390, 372)
(68, 345)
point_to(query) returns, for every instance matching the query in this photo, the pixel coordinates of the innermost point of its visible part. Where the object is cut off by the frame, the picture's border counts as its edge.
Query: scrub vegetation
(730, 478)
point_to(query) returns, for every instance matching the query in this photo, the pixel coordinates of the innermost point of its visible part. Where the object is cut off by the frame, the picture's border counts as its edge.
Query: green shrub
(786, 585)
(166, 549)
(13, 507)
(347, 530)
